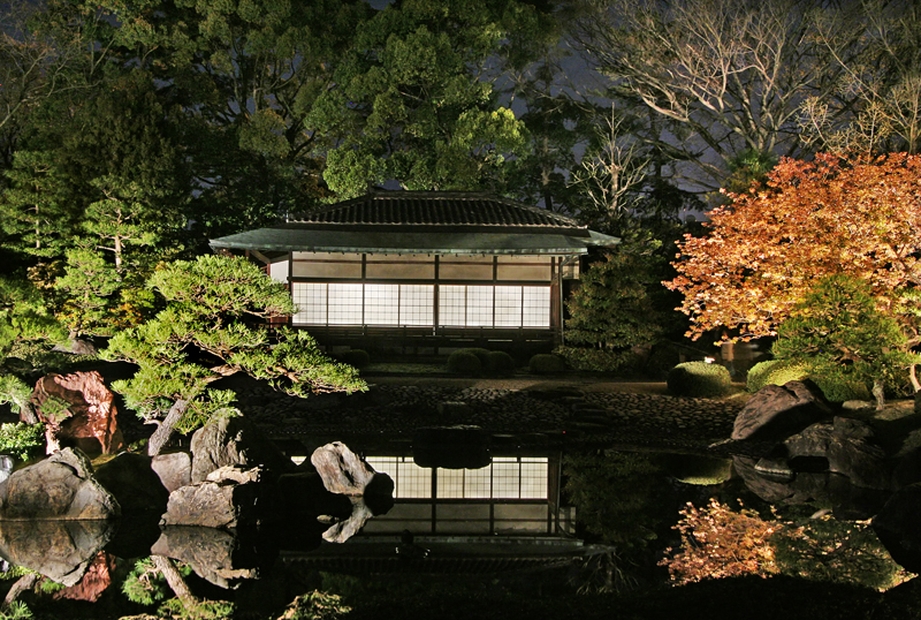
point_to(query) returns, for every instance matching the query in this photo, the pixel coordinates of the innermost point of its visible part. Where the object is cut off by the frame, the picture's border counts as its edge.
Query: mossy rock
(842, 389)
(464, 362)
(835, 388)
(699, 380)
(546, 363)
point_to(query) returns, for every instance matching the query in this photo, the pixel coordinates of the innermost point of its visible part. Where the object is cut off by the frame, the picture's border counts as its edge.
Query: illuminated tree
(718, 542)
(763, 252)
(618, 306)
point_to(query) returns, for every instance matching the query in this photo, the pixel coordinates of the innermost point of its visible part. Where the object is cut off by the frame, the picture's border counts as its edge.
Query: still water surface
(502, 512)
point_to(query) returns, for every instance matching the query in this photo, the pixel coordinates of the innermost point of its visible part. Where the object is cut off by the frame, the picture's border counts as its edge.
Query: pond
(495, 524)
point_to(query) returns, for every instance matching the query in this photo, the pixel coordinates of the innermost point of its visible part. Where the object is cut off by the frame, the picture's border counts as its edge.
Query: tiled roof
(423, 223)
(434, 209)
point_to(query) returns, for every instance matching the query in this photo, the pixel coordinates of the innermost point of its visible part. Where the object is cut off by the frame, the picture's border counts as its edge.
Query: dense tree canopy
(763, 252)
(411, 104)
(243, 78)
(135, 130)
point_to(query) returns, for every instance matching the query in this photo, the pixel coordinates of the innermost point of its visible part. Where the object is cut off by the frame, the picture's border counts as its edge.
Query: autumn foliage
(769, 246)
(718, 542)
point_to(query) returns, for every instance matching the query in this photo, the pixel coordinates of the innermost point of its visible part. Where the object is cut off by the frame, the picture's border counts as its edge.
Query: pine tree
(212, 326)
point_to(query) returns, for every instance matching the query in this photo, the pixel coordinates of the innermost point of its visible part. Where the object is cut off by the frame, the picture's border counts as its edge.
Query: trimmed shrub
(356, 358)
(775, 372)
(499, 363)
(699, 379)
(464, 362)
(546, 363)
(481, 354)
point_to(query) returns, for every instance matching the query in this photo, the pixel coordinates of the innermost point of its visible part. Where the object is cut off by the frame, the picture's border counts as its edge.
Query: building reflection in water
(511, 495)
(503, 516)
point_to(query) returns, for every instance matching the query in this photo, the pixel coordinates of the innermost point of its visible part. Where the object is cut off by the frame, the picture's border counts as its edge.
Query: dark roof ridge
(434, 208)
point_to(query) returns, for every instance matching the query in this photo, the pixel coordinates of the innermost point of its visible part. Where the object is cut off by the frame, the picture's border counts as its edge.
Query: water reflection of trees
(624, 500)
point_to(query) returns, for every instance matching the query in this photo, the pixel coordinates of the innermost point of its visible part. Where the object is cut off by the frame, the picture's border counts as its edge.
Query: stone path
(576, 411)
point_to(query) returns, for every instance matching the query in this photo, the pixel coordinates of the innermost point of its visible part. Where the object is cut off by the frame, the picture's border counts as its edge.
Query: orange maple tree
(718, 542)
(770, 245)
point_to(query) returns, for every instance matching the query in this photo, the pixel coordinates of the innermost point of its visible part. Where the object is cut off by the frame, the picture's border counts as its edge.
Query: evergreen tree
(36, 215)
(618, 306)
(839, 332)
(206, 331)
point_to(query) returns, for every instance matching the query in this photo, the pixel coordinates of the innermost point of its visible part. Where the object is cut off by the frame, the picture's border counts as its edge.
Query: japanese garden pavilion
(425, 269)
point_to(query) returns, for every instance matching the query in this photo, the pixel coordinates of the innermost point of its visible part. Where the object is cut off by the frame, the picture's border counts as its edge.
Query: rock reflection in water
(218, 556)
(59, 550)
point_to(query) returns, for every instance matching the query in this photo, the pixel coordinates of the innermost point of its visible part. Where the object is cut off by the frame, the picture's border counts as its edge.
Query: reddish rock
(77, 409)
(95, 581)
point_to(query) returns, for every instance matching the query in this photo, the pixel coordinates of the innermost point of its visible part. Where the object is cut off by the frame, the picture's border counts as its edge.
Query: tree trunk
(913, 374)
(165, 430)
(879, 392)
(26, 582)
(174, 580)
(27, 413)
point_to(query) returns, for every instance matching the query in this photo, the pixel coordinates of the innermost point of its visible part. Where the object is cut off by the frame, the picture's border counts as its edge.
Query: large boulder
(775, 481)
(341, 470)
(59, 550)
(301, 496)
(341, 531)
(77, 410)
(134, 484)
(226, 499)
(362, 509)
(174, 469)
(345, 473)
(235, 441)
(60, 487)
(777, 411)
(896, 525)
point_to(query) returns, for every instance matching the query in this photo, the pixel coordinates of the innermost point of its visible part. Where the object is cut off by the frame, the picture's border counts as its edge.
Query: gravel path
(556, 411)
